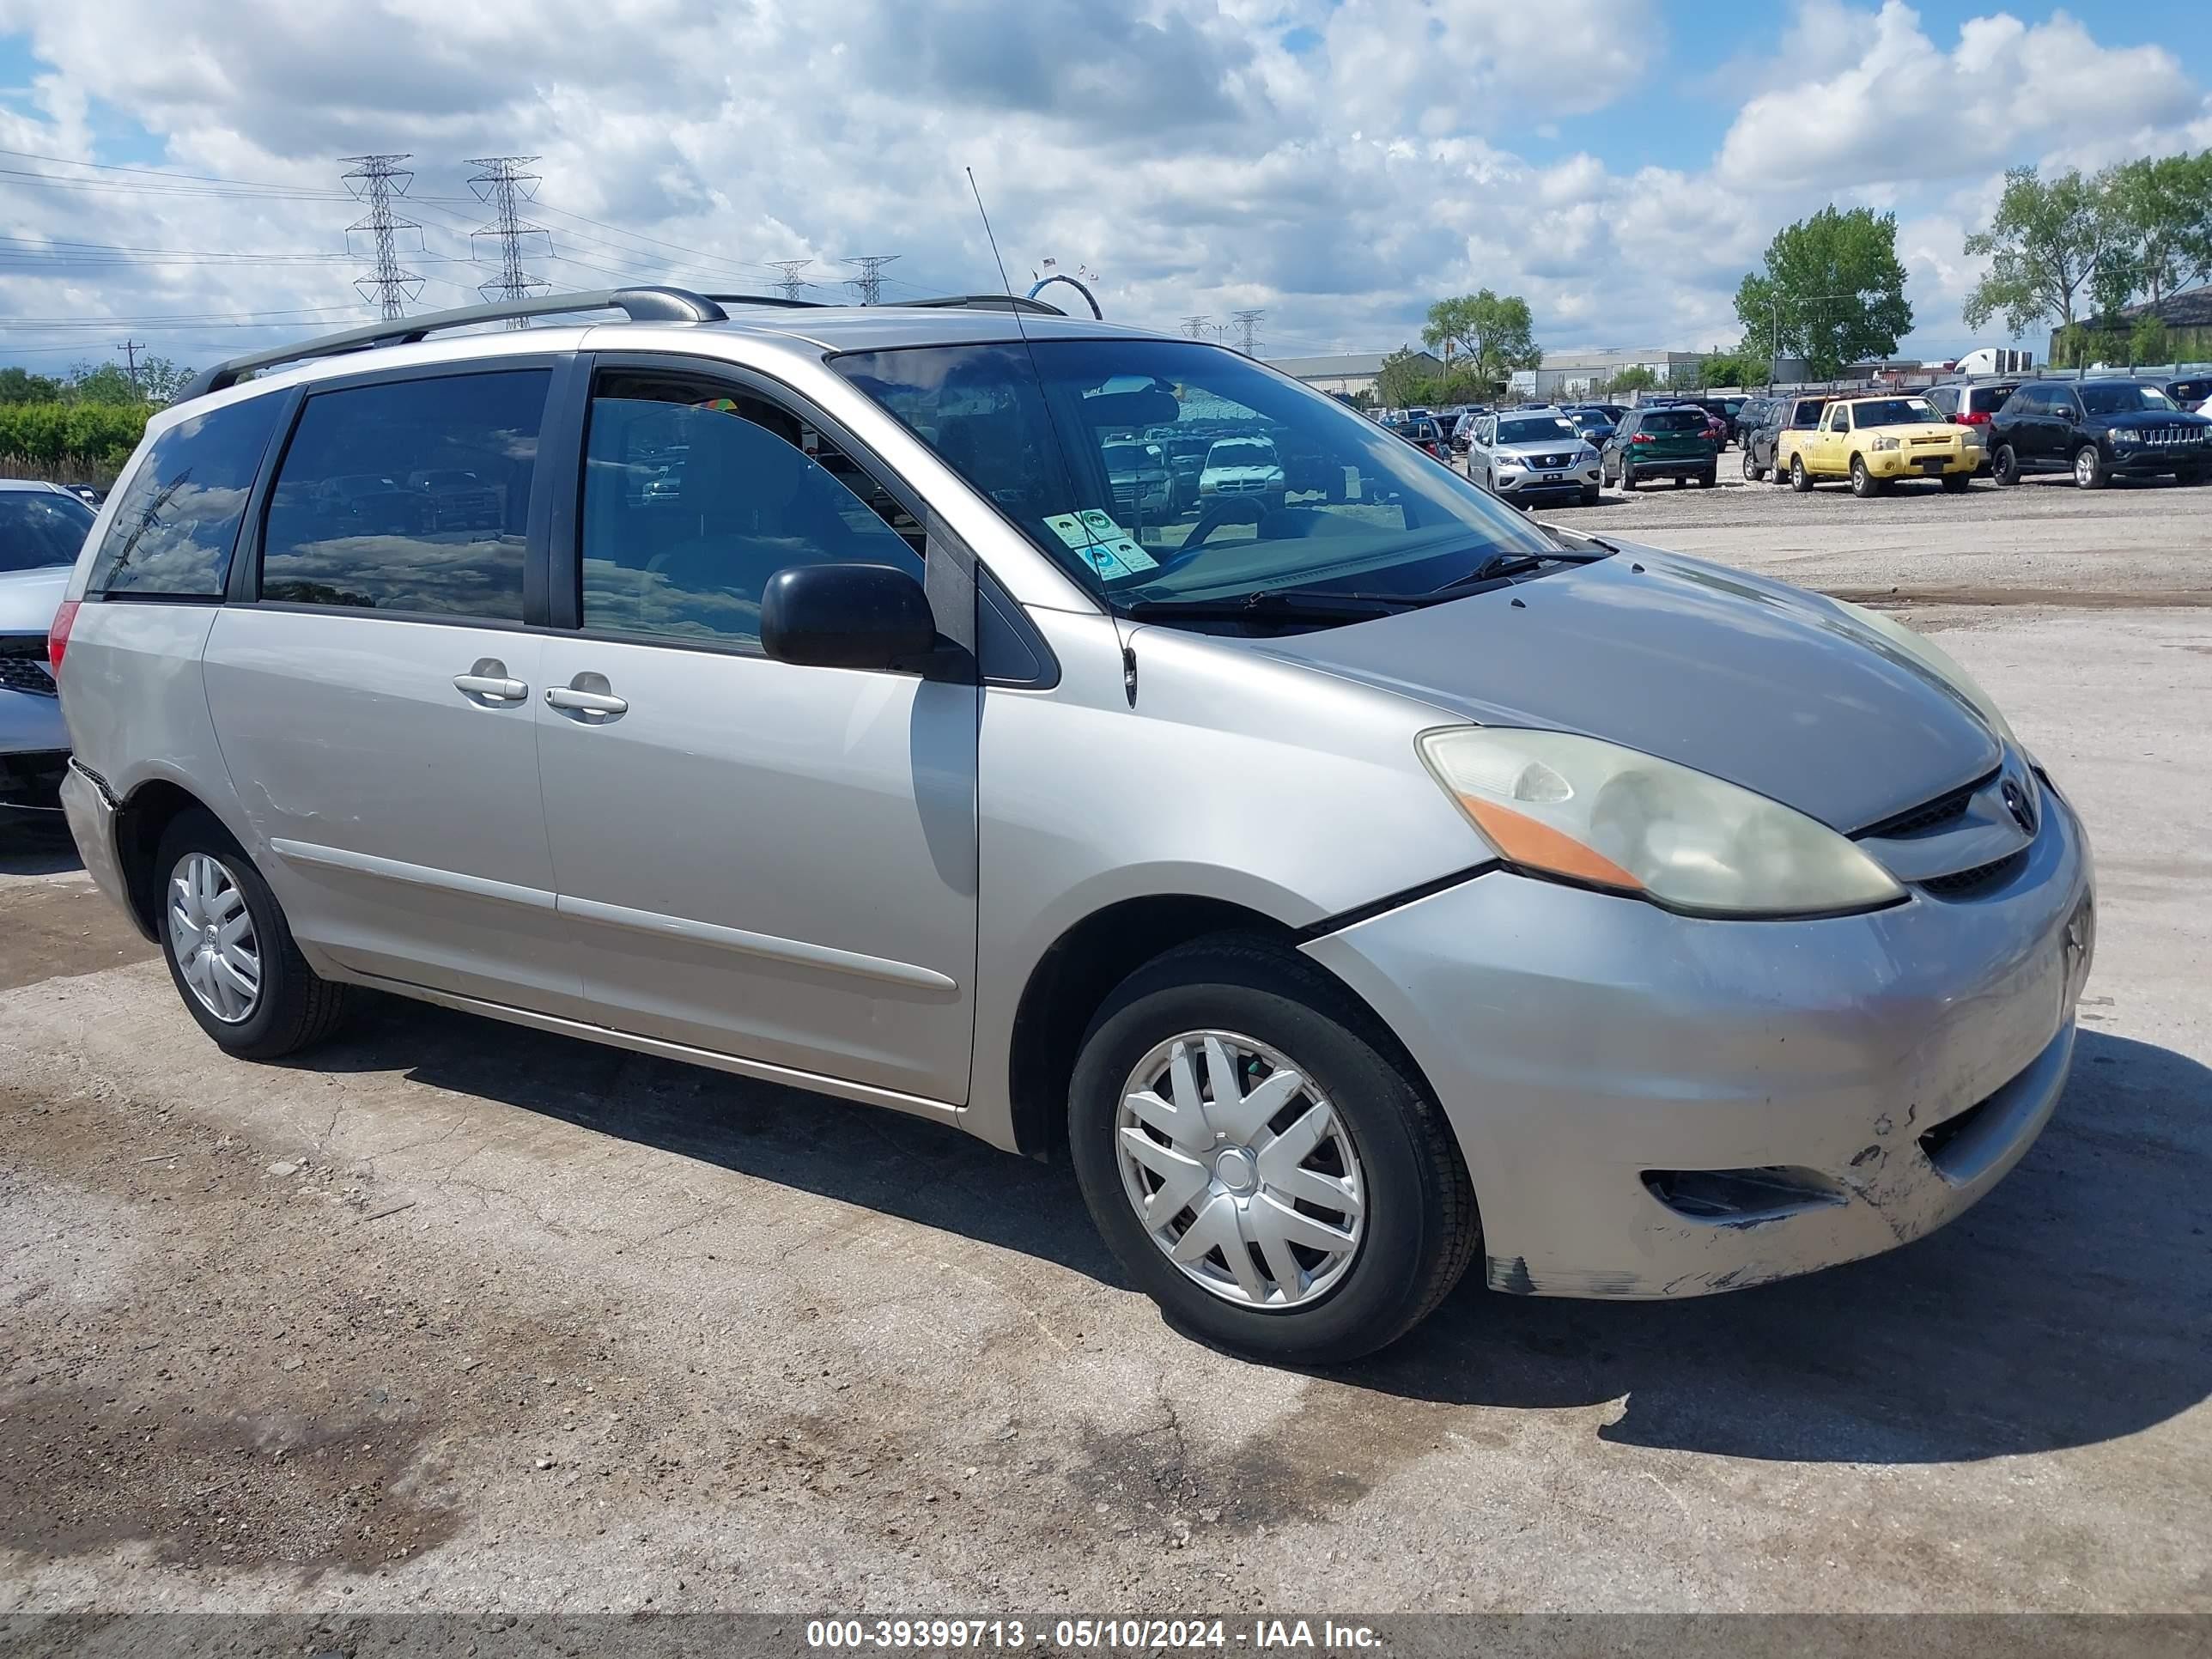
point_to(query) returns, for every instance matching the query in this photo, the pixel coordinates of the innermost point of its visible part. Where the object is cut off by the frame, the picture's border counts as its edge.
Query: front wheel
(1590, 496)
(229, 950)
(1752, 472)
(1264, 1164)
(1800, 479)
(1864, 483)
(1955, 484)
(2089, 468)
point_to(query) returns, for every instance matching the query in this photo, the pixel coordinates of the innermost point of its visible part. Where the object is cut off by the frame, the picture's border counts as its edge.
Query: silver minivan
(1350, 890)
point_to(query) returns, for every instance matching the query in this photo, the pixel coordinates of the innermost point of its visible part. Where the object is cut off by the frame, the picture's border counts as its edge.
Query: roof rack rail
(985, 302)
(776, 299)
(639, 305)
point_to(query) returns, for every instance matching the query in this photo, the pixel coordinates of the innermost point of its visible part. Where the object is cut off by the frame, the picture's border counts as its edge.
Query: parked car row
(2097, 430)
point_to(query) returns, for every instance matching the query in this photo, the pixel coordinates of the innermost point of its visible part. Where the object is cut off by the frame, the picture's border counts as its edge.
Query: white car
(1243, 466)
(42, 526)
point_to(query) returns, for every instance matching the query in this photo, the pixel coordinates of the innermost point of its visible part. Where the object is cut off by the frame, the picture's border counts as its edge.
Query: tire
(1864, 484)
(1627, 480)
(1800, 479)
(1679, 481)
(1707, 480)
(1418, 1228)
(2089, 468)
(292, 1007)
(1955, 483)
(1590, 496)
(2004, 466)
(1752, 472)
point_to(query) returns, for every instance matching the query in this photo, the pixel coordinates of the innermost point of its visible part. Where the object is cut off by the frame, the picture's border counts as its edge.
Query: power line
(1248, 320)
(869, 285)
(381, 178)
(504, 185)
(790, 283)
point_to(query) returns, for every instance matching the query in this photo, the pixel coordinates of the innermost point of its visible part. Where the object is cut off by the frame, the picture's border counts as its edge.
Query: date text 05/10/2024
(1090, 1635)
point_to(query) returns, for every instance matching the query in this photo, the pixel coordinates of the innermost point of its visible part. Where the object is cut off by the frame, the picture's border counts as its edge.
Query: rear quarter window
(176, 526)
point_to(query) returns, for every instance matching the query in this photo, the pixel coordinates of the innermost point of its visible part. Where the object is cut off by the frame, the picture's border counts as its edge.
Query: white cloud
(1339, 164)
(1901, 108)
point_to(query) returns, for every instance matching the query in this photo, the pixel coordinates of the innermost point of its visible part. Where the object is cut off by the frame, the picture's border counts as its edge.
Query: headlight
(1615, 818)
(1937, 661)
(2126, 434)
(1886, 443)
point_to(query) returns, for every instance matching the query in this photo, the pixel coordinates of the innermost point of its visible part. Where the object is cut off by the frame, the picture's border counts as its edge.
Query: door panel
(770, 860)
(402, 810)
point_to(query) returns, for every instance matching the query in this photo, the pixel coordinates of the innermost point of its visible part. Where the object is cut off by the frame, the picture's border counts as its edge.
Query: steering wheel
(1221, 510)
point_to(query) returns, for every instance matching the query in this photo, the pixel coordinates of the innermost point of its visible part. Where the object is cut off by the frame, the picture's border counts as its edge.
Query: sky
(171, 171)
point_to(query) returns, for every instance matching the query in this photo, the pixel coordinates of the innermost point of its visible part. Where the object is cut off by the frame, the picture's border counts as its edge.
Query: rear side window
(177, 525)
(410, 495)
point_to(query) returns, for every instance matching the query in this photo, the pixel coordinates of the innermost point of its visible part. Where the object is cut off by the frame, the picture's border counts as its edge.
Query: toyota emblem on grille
(2016, 803)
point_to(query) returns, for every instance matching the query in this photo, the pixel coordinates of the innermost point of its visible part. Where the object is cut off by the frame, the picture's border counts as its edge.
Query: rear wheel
(1627, 478)
(1262, 1164)
(1800, 479)
(1707, 480)
(1955, 483)
(230, 951)
(2089, 468)
(1752, 472)
(2004, 465)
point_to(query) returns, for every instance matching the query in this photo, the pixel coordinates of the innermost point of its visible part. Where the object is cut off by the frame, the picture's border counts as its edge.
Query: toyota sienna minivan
(1350, 890)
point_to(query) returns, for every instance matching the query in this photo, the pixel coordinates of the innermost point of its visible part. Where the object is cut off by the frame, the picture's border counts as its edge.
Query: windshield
(1894, 411)
(38, 530)
(1131, 458)
(1549, 430)
(1345, 506)
(2122, 399)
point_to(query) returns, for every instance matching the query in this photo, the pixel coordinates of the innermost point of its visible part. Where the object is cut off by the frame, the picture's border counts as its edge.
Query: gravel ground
(455, 1316)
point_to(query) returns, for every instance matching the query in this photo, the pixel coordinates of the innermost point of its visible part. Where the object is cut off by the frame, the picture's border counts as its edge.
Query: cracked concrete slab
(454, 1315)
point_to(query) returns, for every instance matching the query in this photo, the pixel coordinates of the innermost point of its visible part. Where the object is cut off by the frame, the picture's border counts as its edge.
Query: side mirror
(846, 615)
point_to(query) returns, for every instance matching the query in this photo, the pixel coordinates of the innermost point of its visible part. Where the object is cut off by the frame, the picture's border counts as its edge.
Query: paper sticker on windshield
(1107, 562)
(1129, 553)
(1101, 528)
(1070, 529)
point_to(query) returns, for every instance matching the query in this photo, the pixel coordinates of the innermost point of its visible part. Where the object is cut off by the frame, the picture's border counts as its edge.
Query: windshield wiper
(1269, 605)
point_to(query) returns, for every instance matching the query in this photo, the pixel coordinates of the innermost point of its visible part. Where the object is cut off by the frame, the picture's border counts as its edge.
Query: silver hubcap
(2085, 466)
(211, 933)
(1240, 1169)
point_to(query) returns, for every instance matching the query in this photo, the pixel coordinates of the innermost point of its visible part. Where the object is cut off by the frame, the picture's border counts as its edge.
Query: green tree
(1832, 291)
(2146, 341)
(100, 383)
(1720, 367)
(1635, 377)
(160, 381)
(2163, 210)
(2048, 244)
(1404, 379)
(1492, 333)
(19, 386)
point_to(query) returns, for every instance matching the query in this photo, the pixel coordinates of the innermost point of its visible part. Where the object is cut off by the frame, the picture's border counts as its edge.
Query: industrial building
(1585, 373)
(1350, 374)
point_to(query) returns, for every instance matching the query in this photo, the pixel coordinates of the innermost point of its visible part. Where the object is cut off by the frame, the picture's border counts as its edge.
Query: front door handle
(584, 702)
(488, 680)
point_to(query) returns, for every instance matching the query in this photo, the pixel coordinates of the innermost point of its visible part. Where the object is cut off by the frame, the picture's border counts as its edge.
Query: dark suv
(1664, 440)
(1800, 414)
(2099, 430)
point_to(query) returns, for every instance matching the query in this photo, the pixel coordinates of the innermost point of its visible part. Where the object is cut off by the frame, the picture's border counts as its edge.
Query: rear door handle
(583, 703)
(488, 680)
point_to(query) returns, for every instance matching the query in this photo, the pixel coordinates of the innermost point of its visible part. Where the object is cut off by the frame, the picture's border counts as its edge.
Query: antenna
(1128, 656)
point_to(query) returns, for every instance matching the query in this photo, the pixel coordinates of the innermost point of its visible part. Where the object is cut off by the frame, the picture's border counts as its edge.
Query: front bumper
(1600, 1058)
(34, 748)
(1922, 464)
(1530, 485)
(2154, 460)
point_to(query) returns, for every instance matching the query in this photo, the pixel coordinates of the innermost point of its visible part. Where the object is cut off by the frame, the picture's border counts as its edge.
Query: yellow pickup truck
(1875, 441)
